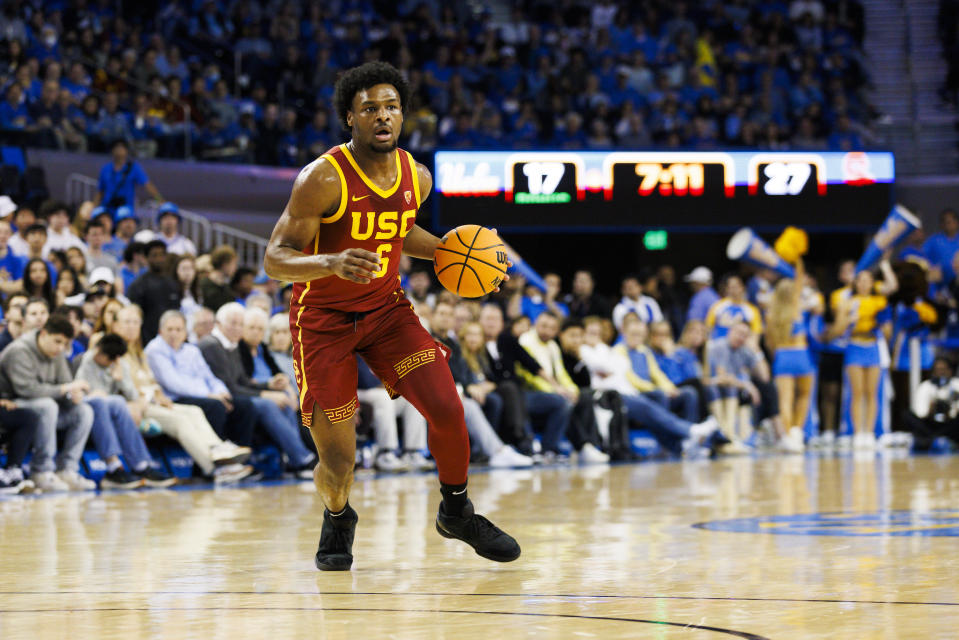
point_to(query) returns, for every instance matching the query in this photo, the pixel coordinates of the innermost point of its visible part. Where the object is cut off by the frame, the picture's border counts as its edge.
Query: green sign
(655, 240)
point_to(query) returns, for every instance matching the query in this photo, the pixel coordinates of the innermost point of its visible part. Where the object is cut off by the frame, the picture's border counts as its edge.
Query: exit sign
(655, 240)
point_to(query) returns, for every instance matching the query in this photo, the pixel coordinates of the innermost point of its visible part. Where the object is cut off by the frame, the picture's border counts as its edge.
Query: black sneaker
(335, 552)
(488, 540)
(154, 478)
(120, 479)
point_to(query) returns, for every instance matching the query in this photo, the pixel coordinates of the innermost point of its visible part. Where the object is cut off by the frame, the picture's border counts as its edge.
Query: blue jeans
(553, 409)
(284, 428)
(75, 419)
(493, 409)
(685, 404)
(115, 433)
(668, 428)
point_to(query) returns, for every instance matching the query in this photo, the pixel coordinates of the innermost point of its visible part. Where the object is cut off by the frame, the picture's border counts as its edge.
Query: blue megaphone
(897, 227)
(746, 246)
(522, 268)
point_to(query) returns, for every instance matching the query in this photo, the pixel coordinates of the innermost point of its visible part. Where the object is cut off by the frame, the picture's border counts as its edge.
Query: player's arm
(316, 193)
(420, 243)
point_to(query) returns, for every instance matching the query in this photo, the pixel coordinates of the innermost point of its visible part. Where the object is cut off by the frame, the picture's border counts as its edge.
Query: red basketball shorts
(325, 343)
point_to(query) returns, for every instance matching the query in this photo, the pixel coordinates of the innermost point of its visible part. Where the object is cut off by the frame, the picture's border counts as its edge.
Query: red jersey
(368, 218)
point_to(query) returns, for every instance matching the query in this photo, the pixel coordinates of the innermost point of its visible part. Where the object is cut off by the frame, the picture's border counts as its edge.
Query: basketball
(470, 261)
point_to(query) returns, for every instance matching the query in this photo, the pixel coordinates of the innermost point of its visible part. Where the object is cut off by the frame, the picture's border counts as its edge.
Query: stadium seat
(10, 182)
(14, 156)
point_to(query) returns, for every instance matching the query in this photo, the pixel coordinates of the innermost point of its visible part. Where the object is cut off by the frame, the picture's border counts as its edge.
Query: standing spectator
(34, 370)
(155, 291)
(119, 180)
(115, 430)
(942, 246)
(168, 219)
(633, 301)
(59, 235)
(700, 282)
(11, 265)
(276, 410)
(215, 289)
(185, 377)
(584, 301)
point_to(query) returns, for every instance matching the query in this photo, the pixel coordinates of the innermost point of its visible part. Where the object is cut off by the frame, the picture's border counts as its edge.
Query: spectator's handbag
(114, 200)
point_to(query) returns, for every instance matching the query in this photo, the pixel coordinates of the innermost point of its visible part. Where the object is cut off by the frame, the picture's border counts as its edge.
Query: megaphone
(522, 268)
(746, 246)
(898, 225)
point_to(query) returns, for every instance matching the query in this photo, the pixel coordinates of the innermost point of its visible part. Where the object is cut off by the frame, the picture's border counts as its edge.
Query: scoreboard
(682, 190)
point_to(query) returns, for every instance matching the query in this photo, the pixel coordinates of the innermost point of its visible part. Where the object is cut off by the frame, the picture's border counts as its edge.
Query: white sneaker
(48, 482)
(15, 478)
(416, 461)
(700, 431)
(589, 454)
(228, 453)
(76, 482)
(864, 442)
(793, 441)
(844, 443)
(389, 461)
(734, 448)
(508, 457)
(230, 473)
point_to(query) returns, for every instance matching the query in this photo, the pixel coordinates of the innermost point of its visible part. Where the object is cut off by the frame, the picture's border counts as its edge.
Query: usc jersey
(367, 218)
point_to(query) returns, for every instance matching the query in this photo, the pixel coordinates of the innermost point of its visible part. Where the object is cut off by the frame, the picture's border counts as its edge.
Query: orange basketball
(471, 261)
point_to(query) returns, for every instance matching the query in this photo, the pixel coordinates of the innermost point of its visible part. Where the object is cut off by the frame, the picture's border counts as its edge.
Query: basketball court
(775, 548)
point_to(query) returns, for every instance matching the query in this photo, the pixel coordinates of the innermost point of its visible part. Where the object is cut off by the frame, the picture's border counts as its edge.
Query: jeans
(553, 409)
(685, 404)
(493, 409)
(75, 419)
(114, 431)
(668, 428)
(235, 426)
(24, 426)
(480, 430)
(284, 428)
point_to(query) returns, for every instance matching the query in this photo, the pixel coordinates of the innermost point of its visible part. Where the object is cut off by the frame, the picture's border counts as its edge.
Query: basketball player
(351, 215)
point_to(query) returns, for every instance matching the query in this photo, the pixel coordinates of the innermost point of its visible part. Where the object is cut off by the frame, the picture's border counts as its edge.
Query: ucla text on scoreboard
(672, 188)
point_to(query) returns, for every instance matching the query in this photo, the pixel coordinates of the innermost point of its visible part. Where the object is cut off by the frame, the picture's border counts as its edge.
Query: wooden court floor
(756, 548)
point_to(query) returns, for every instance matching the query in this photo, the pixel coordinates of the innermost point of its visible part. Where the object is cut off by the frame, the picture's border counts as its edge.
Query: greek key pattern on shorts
(341, 413)
(307, 420)
(390, 390)
(417, 359)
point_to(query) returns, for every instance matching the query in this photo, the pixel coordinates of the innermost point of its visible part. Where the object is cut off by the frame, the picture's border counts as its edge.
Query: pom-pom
(792, 244)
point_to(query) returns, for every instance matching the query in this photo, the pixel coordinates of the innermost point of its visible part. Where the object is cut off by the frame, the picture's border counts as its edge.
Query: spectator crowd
(252, 80)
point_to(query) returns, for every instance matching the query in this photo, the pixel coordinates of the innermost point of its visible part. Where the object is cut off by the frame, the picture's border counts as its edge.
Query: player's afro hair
(363, 77)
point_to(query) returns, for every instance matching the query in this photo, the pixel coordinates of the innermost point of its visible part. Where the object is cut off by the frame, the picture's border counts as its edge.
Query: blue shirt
(700, 303)
(122, 183)
(940, 249)
(182, 373)
(13, 264)
(683, 365)
(129, 275)
(261, 370)
(115, 248)
(532, 308)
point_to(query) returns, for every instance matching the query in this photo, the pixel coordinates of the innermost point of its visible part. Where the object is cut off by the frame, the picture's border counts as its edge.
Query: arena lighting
(676, 191)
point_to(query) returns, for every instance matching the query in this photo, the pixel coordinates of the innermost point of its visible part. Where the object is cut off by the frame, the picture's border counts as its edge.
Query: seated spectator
(168, 220)
(584, 301)
(203, 322)
(59, 235)
(115, 431)
(23, 219)
(11, 265)
(154, 291)
(935, 407)
(220, 459)
(733, 363)
(215, 290)
(96, 236)
(34, 370)
(258, 362)
(536, 301)
(125, 228)
(184, 270)
(24, 427)
(13, 326)
(633, 301)
(275, 408)
(36, 312)
(480, 401)
(185, 377)
(731, 309)
(681, 365)
(387, 455)
(280, 345)
(609, 370)
(69, 290)
(704, 297)
(134, 263)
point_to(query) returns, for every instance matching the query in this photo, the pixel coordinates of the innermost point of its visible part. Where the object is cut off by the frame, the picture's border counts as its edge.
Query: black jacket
(247, 359)
(228, 367)
(510, 352)
(155, 293)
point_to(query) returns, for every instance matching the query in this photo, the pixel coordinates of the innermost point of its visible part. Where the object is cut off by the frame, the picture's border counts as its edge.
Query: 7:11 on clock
(677, 179)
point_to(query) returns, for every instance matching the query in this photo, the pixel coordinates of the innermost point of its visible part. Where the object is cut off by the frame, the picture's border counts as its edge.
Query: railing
(249, 248)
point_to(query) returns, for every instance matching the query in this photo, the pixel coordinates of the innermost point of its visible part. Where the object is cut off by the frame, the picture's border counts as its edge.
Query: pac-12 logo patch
(408, 196)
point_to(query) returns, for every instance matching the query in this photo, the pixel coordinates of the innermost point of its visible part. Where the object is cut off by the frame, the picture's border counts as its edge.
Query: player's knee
(444, 409)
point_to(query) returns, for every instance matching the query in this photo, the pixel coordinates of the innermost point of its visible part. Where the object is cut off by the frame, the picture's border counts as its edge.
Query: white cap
(144, 236)
(102, 274)
(701, 275)
(7, 206)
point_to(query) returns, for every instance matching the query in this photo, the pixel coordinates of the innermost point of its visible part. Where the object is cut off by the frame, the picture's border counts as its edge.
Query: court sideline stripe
(737, 634)
(485, 595)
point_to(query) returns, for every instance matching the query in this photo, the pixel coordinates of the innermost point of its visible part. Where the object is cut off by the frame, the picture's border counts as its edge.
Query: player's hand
(355, 265)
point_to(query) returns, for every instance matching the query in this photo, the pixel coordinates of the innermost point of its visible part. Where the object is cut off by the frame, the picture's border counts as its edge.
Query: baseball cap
(702, 275)
(168, 208)
(101, 210)
(261, 277)
(125, 213)
(7, 206)
(102, 274)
